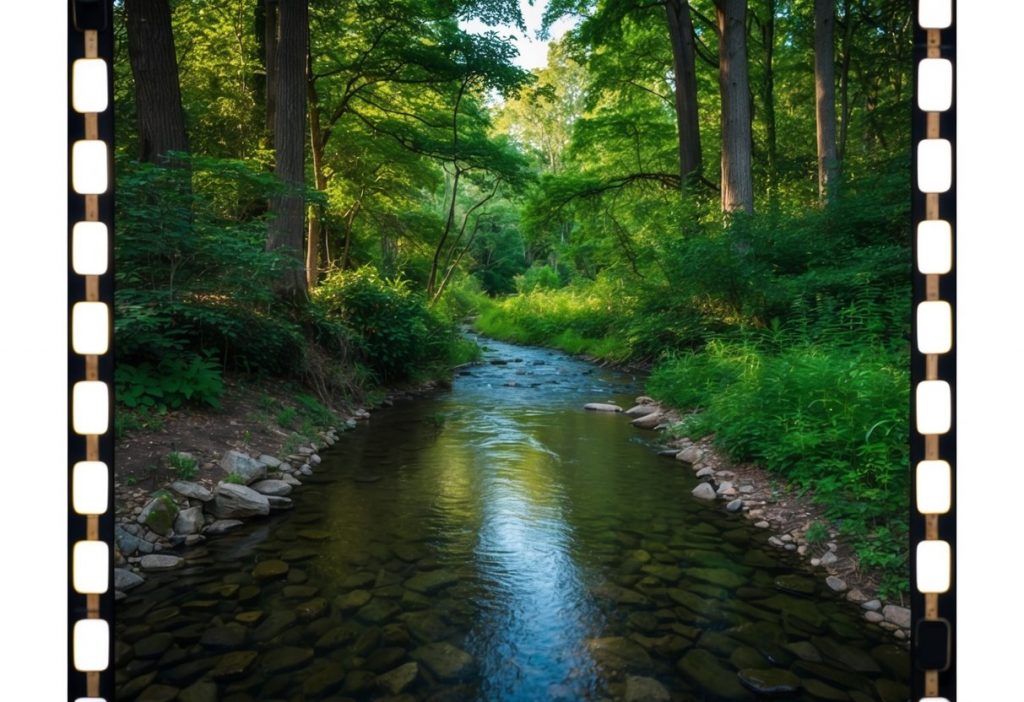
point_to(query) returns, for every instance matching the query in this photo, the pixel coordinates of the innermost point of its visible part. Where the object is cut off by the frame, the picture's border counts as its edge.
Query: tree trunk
(844, 80)
(768, 94)
(155, 70)
(825, 96)
(286, 226)
(317, 145)
(680, 32)
(734, 83)
(270, 35)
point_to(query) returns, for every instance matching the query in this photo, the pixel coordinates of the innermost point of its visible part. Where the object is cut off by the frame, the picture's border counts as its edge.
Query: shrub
(184, 465)
(169, 384)
(537, 277)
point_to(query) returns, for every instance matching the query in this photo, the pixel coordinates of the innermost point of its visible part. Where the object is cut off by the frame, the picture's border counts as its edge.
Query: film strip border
(933, 358)
(90, 363)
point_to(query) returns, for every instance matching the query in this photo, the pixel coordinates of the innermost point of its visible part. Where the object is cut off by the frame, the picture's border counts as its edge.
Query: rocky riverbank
(796, 524)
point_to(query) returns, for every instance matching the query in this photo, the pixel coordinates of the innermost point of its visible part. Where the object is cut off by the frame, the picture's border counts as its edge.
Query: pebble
(786, 537)
(776, 541)
(762, 524)
(829, 558)
(836, 584)
(160, 562)
(735, 506)
(872, 605)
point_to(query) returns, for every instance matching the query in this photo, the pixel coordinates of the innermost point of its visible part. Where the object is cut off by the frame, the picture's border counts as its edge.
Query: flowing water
(497, 543)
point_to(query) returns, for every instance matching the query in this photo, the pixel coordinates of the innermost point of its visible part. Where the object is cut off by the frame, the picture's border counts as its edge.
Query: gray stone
(160, 562)
(233, 664)
(616, 653)
(193, 491)
(125, 579)
(270, 570)
(835, 584)
(762, 524)
(900, 616)
(724, 487)
(874, 617)
(249, 469)
(703, 669)
(602, 407)
(397, 680)
(445, 661)
(315, 459)
(431, 581)
(159, 513)
(872, 605)
(704, 491)
(287, 658)
(202, 691)
(221, 526)
(746, 489)
(640, 689)
(291, 480)
(189, 521)
(641, 410)
(776, 541)
(305, 469)
(235, 501)
(829, 558)
(690, 455)
(769, 681)
(705, 473)
(353, 600)
(277, 502)
(269, 461)
(278, 488)
(735, 506)
(649, 421)
(224, 638)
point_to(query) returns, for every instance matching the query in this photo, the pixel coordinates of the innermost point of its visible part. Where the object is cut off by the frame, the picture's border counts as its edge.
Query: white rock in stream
(602, 407)
(704, 491)
(649, 421)
(641, 410)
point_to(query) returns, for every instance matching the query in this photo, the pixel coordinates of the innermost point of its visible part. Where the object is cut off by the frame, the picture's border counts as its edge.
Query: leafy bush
(537, 277)
(395, 332)
(184, 465)
(170, 383)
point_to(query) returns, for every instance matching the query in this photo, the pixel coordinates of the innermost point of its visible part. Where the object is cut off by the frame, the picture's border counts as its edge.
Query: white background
(33, 362)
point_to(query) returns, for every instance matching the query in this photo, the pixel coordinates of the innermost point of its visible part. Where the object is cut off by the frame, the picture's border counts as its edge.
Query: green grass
(184, 466)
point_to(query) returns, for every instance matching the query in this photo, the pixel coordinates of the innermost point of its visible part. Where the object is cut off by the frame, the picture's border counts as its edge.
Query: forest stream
(494, 542)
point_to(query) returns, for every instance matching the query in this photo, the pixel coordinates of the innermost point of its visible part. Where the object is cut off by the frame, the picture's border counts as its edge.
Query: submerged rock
(397, 680)
(707, 673)
(640, 689)
(602, 407)
(619, 653)
(445, 661)
(769, 681)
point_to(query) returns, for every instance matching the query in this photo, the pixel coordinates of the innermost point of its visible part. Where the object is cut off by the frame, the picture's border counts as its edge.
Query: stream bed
(494, 542)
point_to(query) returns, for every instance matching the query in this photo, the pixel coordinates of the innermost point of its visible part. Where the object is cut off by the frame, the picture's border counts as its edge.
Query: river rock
(157, 561)
(291, 480)
(874, 617)
(352, 600)
(202, 691)
(269, 570)
(795, 584)
(158, 693)
(224, 638)
(189, 521)
(277, 502)
(269, 461)
(221, 526)
(703, 669)
(378, 611)
(125, 579)
(892, 691)
(770, 681)
(248, 469)
(287, 658)
(900, 616)
(640, 689)
(704, 491)
(649, 421)
(618, 653)
(641, 410)
(278, 488)
(431, 581)
(397, 680)
(233, 501)
(233, 665)
(159, 513)
(872, 605)
(835, 584)
(129, 544)
(724, 487)
(445, 661)
(153, 646)
(308, 611)
(193, 491)
(828, 559)
(602, 407)
(274, 624)
(735, 506)
(705, 473)
(691, 455)
(717, 576)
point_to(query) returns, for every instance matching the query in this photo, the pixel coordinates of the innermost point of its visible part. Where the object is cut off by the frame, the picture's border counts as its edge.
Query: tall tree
(285, 232)
(767, 26)
(681, 36)
(270, 33)
(161, 121)
(734, 84)
(825, 95)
